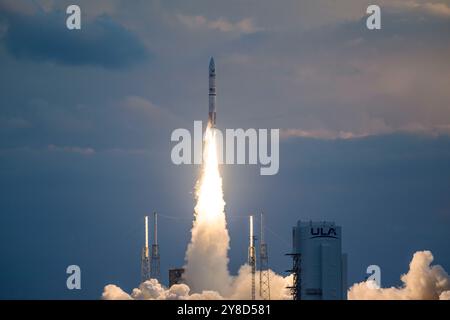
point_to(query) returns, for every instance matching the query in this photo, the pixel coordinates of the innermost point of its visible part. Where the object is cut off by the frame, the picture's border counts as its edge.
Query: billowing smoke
(153, 290)
(239, 289)
(241, 285)
(206, 271)
(207, 254)
(422, 282)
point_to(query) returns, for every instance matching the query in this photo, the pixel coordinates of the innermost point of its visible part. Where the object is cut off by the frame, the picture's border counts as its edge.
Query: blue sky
(86, 117)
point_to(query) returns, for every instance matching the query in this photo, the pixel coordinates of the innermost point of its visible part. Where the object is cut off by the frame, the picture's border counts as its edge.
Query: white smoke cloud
(153, 290)
(422, 282)
(445, 295)
(113, 292)
(240, 287)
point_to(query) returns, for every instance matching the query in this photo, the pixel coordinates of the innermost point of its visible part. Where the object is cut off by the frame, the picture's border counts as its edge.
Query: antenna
(252, 257)
(261, 230)
(252, 244)
(155, 228)
(146, 232)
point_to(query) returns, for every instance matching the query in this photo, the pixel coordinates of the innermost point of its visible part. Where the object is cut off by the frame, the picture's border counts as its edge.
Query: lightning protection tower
(155, 263)
(264, 280)
(252, 257)
(145, 258)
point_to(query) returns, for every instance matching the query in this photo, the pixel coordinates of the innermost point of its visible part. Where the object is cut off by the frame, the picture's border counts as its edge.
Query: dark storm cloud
(44, 37)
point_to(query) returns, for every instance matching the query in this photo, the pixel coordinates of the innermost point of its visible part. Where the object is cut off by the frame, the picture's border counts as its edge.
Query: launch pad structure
(264, 278)
(155, 259)
(145, 258)
(150, 263)
(252, 258)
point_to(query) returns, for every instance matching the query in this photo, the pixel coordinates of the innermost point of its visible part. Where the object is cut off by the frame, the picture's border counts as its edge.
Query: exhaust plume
(206, 270)
(207, 253)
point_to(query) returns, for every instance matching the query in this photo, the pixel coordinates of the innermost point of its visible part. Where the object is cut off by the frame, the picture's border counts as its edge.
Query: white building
(321, 271)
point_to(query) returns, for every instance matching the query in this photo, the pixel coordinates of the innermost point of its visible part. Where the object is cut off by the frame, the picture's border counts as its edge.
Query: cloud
(14, 123)
(422, 282)
(71, 149)
(142, 106)
(43, 36)
(435, 8)
(319, 134)
(438, 8)
(341, 80)
(141, 110)
(244, 26)
(18, 6)
(324, 134)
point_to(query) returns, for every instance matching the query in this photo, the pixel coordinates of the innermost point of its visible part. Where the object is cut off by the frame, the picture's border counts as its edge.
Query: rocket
(212, 93)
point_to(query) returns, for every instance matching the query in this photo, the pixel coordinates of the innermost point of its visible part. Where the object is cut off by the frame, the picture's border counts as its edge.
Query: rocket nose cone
(212, 66)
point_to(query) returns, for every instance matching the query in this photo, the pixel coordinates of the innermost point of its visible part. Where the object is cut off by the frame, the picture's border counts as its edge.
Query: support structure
(155, 263)
(264, 279)
(145, 258)
(252, 258)
(296, 281)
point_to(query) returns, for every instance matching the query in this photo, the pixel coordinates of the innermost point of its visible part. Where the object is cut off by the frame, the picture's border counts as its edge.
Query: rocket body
(212, 93)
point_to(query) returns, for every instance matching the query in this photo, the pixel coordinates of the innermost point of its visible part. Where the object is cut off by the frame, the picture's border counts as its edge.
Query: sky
(86, 118)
